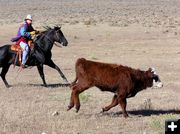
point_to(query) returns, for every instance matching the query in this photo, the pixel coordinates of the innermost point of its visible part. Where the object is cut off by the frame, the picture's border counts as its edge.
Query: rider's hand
(32, 33)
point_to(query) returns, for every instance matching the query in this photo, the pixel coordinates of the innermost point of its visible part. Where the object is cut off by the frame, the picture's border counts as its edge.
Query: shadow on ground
(142, 112)
(50, 85)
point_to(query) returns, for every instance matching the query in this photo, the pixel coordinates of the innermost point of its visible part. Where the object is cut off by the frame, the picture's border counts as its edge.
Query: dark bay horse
(40, 55)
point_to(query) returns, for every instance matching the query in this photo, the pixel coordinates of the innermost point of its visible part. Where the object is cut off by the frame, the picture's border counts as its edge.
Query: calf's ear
(152, 69)
(150, 73)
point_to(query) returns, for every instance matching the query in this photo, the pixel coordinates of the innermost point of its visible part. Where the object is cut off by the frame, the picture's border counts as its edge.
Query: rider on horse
(24, 35)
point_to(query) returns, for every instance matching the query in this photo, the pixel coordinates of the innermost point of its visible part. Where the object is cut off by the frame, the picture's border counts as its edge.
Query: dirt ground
(138, 33)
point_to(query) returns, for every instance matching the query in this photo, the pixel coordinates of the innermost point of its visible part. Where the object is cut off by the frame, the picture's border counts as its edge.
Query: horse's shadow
(143, 112)
(50, 85)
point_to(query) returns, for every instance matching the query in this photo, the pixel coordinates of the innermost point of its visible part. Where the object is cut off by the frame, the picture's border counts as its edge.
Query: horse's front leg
(41, 73)
(51, 64)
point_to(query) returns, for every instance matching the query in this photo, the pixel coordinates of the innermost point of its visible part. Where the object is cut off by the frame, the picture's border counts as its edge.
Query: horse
(40, 55)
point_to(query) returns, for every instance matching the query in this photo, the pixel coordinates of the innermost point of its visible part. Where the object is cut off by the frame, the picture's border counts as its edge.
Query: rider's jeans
(25, 48)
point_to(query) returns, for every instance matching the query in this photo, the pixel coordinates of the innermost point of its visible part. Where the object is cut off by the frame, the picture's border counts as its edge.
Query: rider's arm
(24, 32)
(31, 28)
(33, 31)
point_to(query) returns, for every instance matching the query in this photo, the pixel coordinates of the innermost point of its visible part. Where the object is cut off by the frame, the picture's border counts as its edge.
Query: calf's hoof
(77, 109)
(69, 108)
(125, 115)
(104, 109)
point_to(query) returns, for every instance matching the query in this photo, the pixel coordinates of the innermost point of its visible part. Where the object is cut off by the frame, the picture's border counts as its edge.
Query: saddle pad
(16, 48)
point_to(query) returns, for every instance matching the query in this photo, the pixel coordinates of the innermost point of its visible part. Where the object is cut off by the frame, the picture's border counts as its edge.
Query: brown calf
(124, 81)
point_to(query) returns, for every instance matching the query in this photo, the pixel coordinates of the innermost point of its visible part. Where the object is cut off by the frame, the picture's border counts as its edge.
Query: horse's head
(59, 36)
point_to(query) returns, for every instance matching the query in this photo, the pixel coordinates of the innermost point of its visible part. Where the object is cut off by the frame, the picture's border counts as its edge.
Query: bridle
(51, 40)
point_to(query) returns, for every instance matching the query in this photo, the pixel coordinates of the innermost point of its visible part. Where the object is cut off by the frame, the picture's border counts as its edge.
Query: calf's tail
(74, 82)
(77, 66)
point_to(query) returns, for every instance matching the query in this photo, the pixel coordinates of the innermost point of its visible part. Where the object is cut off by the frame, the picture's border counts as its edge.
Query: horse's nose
(65, 43)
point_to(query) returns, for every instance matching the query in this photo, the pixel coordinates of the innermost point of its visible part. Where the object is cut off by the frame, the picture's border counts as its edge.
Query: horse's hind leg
(3, 74)
(53, 65)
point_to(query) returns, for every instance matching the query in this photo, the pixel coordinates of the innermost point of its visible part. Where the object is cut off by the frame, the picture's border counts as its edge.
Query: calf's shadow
(143, 112)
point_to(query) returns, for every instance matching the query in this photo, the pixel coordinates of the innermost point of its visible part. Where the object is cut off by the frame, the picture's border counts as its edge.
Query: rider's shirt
(23, 33)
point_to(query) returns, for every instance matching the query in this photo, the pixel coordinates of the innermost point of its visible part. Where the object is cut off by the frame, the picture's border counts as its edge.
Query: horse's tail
(4, 52)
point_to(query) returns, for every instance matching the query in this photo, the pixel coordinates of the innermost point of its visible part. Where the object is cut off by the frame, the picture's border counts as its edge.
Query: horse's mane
(47, 28)
(41, 34)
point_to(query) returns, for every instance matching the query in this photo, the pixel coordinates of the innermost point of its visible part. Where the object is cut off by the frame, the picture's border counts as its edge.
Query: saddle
(19, 50)
(15, 47)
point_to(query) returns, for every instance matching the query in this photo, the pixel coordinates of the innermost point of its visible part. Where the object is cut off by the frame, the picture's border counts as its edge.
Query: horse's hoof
(65, 80)
(8, 86)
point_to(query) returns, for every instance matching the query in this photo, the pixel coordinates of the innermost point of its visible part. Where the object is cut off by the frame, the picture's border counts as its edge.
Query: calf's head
(156, 82)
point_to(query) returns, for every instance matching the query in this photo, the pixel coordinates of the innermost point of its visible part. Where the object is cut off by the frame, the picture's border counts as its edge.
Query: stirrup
(24, 66)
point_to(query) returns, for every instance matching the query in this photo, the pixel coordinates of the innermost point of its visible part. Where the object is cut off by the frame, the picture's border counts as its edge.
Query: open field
(140, 34)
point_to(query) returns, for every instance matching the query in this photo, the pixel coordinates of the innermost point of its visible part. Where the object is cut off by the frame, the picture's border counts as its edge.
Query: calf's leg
(113, 104)
(71, 104)
(76, 90)
(123, 103)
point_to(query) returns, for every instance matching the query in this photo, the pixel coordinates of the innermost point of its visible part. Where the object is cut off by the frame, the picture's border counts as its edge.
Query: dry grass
(27, 107)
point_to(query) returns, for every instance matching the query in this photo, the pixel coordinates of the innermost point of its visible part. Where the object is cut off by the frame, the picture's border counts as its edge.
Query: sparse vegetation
(119, 24)
(90, 21)
(93, 56)
(56, 97)
(75, 37)
(84, 97)
(147, 105)
(158, 123)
